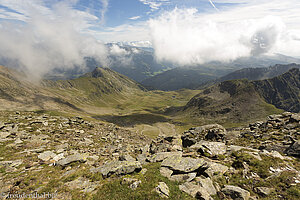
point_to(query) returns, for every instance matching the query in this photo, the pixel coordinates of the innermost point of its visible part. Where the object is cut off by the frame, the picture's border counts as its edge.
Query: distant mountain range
(253, 68)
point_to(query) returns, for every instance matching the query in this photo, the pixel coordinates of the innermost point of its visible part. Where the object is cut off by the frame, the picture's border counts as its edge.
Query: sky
(61, 33)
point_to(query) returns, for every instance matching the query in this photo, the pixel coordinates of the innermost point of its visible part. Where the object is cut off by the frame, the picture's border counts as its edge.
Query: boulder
(163, 190)
(214, 132)
(215, 169)
(70, 159)
(184, 164)
(183, 177)
(166, 172)
(264, 191)
(195, 191)
(118, 168)
(211, 148)
(158, 157)
(294, 149)
(236, 193)
(207, 184)
(46, 156)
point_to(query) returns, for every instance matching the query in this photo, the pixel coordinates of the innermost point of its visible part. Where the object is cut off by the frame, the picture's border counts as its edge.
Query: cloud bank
(187, 37)
(48, 40)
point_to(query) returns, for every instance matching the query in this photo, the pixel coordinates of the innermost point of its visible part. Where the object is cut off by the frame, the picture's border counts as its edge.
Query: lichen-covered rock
(160, 156)
(70, 159)
(207, 184)
(184, 164)
(118, 168)
(236, 193)
(210, 148)
(195, 191)
(183, 177)
(163, 190)
(213, 132)
(294, 149)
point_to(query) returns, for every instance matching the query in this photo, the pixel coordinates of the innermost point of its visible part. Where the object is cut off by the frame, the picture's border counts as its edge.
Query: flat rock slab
(158, 157)
(212, 148)
(70, 159)
(195, 191)
(183, 164)
(163, 190)
(236, 193)
(118, 168)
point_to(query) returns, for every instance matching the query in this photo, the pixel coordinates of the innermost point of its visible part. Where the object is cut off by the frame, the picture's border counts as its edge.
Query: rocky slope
(239, 100)
(72, 158)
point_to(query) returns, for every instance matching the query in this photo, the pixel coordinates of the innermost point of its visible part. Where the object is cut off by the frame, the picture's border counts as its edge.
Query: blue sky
(185, 32)
(110, 15)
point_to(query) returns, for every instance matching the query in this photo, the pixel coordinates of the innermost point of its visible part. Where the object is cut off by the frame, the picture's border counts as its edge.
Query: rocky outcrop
(210, 132)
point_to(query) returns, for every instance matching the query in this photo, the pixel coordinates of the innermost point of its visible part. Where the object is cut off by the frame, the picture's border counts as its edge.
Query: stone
(58, 157)
(118, 167)
(294, 149)
(210, 132)
(126, 157)
(135, 184)
(128, 181)
(264, 191)
(195, 191)
(46, 156)
(184, 164)
(183, 177)
(142, 158)
(70, 159)
(236, 193)
(215, 169)
(211, 148)
(82, 183)
(163, 190)
(207, 184)
(143, 171)
(160, 156)
(166, 172)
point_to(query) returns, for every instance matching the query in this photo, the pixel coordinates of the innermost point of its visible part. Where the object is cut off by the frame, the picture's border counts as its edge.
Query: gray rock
(195, 191)
(70, 159)
(264, 191)
(183, 177)
(135, 185)
(212, 148)
(142, 158)
(213, 132)
(294, 149)
(207, 184)
(236, 193)
(166, 172)
(163, 190)
(215, 169)
(184, 164)
(46, 156)
(118, 168)
(126, 157)
(158, 157)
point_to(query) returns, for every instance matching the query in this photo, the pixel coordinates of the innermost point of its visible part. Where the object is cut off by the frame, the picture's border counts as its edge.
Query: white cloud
(135, 17)
(186, 37)
(154, 4)
(116, 50)
(47, 42)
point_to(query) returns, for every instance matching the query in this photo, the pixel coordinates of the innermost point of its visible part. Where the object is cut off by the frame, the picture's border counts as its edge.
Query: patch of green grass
(115, 190)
